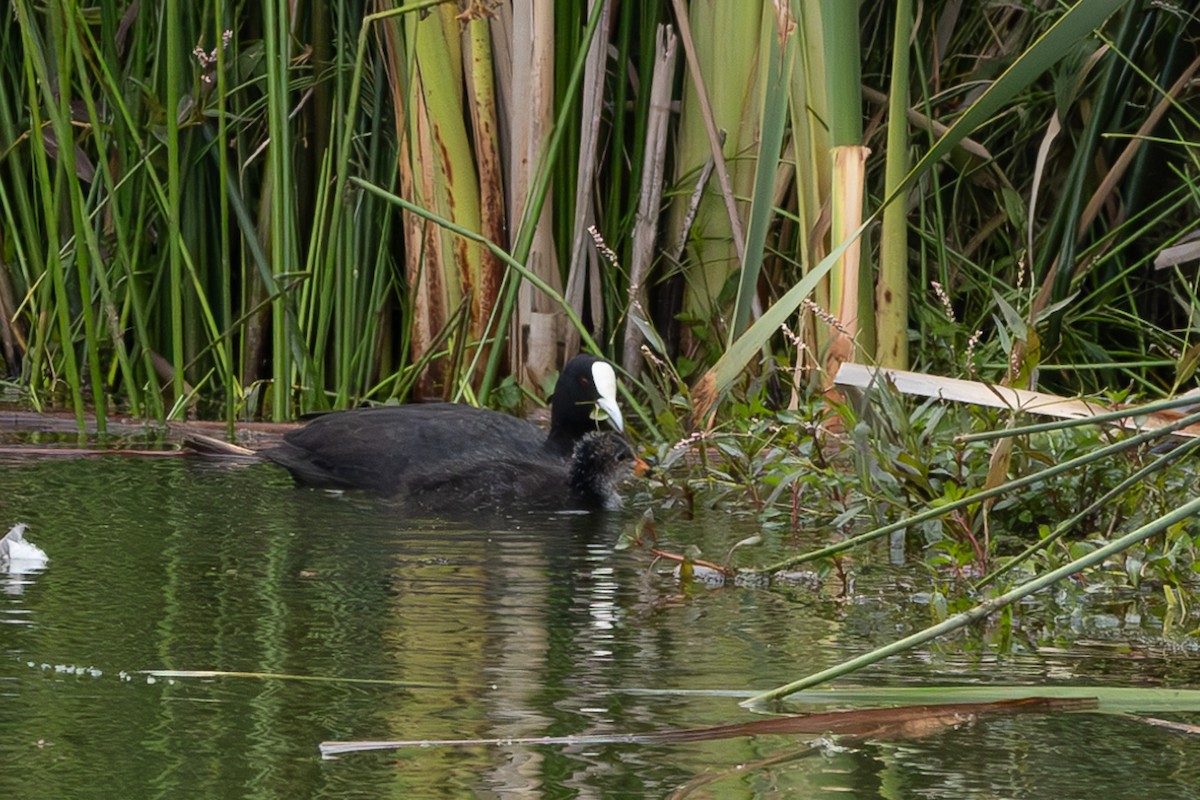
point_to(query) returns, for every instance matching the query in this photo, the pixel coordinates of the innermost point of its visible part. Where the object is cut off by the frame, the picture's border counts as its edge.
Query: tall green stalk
(843, 79)
(175, 53)
(38, 82)
(722, 95)
(225, 268)
(891, 295)
(280, 235)
(779, 43)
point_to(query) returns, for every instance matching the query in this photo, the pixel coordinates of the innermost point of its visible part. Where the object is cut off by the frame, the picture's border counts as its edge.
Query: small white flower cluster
(698, 436)
(207, 59)
(648, 354)
(945, 298)
(973, 342)
(823, 315)
(604, 249)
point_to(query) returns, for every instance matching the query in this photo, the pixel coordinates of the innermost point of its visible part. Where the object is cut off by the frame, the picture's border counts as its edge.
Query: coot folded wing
(382, 449)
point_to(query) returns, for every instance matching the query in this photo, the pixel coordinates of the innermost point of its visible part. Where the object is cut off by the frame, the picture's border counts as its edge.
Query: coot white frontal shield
(605, 379)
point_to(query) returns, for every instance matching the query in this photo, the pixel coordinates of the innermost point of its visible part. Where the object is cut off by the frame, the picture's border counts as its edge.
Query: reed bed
(200, 203)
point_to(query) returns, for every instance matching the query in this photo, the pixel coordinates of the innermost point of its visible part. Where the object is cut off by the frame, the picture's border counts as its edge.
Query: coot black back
(385, 449)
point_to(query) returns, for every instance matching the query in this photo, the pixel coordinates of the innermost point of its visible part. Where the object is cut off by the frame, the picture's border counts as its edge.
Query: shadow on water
(341, 619)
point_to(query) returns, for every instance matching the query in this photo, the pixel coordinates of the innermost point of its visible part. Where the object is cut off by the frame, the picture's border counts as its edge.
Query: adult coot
(387, 449)
(588, 480)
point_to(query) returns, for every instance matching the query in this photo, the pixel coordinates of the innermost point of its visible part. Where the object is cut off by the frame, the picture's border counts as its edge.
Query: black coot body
(388, 449)
(587, 481)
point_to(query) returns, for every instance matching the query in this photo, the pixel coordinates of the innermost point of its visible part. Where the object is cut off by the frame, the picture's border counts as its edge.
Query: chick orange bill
(640, 467)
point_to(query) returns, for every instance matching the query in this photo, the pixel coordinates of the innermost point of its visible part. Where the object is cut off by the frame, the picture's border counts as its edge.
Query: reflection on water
(345, 622)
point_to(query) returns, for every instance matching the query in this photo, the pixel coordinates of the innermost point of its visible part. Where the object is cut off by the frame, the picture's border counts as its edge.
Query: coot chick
(386, 449)
(588, 481)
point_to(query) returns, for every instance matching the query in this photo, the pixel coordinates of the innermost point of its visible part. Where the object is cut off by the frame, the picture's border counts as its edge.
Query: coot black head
(585, 394)
(389, 449)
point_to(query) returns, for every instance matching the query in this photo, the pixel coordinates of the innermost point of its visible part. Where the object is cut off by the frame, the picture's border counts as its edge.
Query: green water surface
(352, 622)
